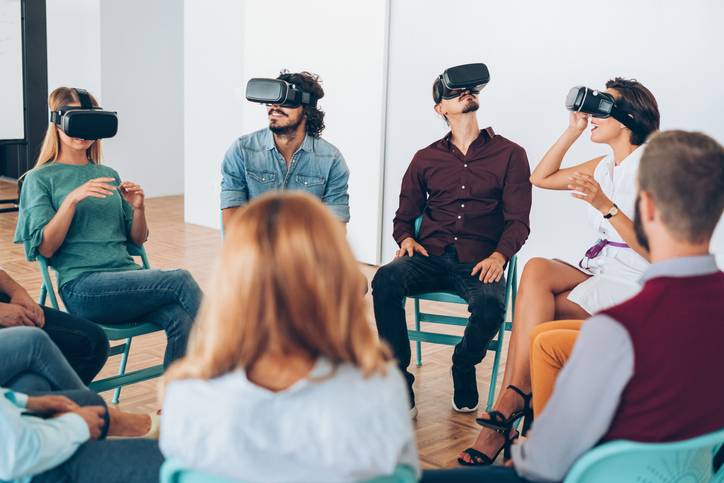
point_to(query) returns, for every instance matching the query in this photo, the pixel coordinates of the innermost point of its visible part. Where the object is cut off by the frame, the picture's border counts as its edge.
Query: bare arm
(57, 228)
(134, 195)
(227, 214)
(586, 188)
(548, 174)
(8, 286)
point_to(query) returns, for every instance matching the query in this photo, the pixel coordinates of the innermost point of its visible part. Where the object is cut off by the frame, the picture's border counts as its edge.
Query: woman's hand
(22, 298)
(578, 121)
(50, 404)
(95, 188)
(587, 189)
(133, 194)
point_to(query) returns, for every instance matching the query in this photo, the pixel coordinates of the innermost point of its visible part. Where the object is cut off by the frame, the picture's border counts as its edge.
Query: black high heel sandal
(498, 422)
(478, 458)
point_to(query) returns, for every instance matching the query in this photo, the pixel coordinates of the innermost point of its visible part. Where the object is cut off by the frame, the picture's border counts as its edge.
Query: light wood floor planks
(441, 432)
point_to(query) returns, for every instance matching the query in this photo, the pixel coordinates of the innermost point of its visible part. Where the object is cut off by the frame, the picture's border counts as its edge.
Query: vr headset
(599, 104)
(459, 79)
(277, 91)
(86, 121)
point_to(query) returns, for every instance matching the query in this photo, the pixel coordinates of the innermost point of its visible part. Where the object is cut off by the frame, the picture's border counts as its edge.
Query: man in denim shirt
(289, 154)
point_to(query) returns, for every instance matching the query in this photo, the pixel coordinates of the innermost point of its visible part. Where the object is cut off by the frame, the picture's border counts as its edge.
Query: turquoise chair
(496, 345)
(689, 461)
(124, 332)
(173, 472)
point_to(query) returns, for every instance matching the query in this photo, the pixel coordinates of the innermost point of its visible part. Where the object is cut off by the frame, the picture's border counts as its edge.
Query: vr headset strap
(625, 119)
(84, 98)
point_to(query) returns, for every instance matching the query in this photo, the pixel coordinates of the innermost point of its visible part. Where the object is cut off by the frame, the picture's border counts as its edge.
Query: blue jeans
(122, 461)
(167, 298)
(418, 274)
(32, 362)
(83, 343)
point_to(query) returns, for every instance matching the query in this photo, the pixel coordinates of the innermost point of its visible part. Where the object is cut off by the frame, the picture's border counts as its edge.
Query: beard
(284, 129)
(639, 227)
(471, 106)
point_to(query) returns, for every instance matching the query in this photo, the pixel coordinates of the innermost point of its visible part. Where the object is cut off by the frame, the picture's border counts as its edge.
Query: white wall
(535, 53)
(213, 75)
(344, 42)
(74, 44)
(142, 78)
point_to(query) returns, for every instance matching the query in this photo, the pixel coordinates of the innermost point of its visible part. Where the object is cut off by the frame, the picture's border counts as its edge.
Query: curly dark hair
(308, 82)
(637, 100)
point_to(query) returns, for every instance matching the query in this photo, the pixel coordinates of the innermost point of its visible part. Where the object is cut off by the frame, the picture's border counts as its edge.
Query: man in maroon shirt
(472, 190)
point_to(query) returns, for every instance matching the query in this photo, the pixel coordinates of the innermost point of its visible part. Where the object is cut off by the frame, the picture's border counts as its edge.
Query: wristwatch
(612, 212)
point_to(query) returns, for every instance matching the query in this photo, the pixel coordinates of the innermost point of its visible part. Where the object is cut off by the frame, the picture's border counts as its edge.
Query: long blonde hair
(286, 283)
(49, 151)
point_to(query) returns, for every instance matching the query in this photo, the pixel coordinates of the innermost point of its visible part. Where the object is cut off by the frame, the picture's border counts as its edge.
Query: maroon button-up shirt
(479, 202)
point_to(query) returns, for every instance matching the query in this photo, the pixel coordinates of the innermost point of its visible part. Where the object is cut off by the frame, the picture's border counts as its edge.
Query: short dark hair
(684, 174)
(637, 100)
(311, 83)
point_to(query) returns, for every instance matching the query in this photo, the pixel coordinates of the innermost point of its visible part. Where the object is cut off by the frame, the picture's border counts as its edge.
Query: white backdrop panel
(12, 120)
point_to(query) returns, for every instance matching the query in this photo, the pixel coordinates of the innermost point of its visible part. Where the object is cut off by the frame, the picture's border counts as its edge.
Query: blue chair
(173, 472)
(689, 461)
(496, 345)
(124, 332)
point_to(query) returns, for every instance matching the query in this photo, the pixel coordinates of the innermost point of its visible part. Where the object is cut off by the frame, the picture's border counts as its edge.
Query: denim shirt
(253, 165)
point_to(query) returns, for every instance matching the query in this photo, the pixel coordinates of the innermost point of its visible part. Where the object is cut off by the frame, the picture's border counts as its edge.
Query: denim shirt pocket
(260, 181)
(312, 184)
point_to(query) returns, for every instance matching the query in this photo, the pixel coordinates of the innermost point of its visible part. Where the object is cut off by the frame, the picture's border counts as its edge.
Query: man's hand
(12, 315)
(408, 247)
(93, 417)
(491, 269)
(22, 298)
(50, 405)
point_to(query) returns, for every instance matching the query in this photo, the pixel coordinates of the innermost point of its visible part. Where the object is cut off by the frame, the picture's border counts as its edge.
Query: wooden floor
(441, 432)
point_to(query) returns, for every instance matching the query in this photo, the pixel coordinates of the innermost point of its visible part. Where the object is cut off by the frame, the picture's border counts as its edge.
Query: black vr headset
(599, 104)
(459, 79)
(277, 91)
(86, 121)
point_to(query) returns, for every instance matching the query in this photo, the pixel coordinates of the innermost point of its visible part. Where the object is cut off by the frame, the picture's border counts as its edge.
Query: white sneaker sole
(463, 409)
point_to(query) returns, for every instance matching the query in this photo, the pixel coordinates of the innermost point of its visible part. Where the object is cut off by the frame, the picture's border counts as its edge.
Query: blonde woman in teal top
(81, 216)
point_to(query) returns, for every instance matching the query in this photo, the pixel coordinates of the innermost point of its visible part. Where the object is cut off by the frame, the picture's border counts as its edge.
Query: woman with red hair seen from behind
(284, 378)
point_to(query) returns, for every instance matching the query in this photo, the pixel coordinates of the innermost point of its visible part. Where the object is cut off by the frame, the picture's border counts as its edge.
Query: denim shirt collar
(307, 144)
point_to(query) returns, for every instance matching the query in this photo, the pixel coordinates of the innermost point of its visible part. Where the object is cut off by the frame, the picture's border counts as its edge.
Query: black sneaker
(413, 409)
(465, 390)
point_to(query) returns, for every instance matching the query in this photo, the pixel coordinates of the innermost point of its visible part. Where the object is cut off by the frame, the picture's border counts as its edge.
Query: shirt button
(465, 165)
(456, 238)
(462, 205)
(459, 217)
(263, 179)
(306, 183)
(462, 187)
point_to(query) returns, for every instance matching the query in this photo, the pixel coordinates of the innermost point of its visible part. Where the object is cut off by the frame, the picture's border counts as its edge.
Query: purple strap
(596, 249)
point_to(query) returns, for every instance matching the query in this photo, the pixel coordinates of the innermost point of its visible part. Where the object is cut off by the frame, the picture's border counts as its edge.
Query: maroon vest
(676, 325)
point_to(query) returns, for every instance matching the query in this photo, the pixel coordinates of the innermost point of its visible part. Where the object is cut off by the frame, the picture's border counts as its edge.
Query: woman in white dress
(609, 271)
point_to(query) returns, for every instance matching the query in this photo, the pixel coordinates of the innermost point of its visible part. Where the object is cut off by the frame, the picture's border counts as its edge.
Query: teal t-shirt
(99, 233)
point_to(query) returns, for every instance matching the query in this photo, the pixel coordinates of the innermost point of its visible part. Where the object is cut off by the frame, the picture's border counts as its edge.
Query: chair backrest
(689, 461)
(47, 287)
(173, 472)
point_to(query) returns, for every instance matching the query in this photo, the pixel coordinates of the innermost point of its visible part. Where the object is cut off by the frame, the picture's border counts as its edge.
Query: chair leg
(418, 344)
(494, 371)
(43, 295)
(122, 369)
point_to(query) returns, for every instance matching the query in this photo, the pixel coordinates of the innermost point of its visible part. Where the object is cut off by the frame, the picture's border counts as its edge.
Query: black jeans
(122, 461)
(83, 343)
(418, 274)
(486, 474)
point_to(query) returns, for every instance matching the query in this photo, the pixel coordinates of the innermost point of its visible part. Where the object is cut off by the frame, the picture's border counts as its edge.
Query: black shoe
(498, 422)
(465, 390)
(411, 393)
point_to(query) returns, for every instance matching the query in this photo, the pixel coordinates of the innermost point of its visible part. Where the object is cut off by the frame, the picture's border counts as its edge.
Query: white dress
(616, 271)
